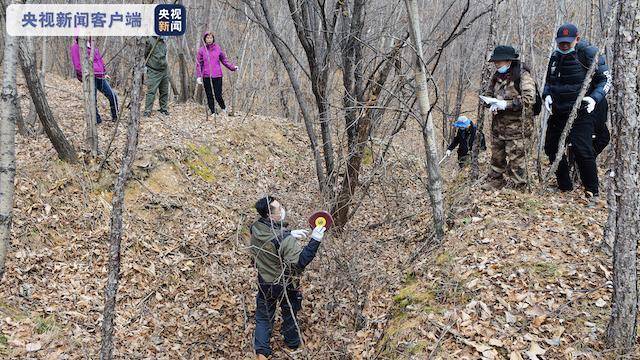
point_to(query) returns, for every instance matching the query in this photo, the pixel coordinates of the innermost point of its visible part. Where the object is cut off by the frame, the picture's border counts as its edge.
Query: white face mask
(283, 214)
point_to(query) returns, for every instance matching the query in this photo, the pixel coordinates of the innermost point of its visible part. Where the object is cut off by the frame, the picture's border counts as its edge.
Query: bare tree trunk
(317, 44)
(55, 134)
(484, 82)
(17, 111)
(365, 119)
(428, 130)
(185, 92)
(89, 92)
(115, 234)
(31, 121)
(8, 101)
(235, 75)
(269, 29)
(621, 331)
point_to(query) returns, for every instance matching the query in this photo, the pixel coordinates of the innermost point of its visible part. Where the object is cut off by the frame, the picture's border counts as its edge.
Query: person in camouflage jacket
(512, 125)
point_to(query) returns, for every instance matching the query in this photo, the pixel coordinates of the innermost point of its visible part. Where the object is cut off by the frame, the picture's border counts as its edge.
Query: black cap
(262, 205)
(504, 52)
(566, 33)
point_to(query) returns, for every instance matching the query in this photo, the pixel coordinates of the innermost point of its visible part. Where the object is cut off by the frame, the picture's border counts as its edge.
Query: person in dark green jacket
(280, 262)
(157, 72)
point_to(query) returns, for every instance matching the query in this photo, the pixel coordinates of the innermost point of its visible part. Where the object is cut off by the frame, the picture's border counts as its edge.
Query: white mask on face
(283, 214)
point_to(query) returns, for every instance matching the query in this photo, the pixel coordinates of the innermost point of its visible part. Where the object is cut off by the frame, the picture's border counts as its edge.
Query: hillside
(517, 274)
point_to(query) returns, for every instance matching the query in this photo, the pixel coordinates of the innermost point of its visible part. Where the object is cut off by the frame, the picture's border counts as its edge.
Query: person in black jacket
(566, 72)
(464, 138)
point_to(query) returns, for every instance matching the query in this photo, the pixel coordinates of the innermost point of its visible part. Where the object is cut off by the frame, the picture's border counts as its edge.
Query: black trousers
(600, 130)
(582, 146)
(213, 86)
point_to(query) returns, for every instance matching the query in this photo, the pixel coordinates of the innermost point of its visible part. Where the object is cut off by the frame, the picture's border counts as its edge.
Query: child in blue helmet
(464, 140)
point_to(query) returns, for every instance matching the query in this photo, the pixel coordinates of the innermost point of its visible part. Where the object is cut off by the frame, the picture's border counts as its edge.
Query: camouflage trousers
(508, 159)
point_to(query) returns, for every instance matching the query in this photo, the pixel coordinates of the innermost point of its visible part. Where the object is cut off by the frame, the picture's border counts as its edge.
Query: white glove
(493, 108)
(448, 152)
(591, 104)
(318, 233)
(199, 81)
(547, 103)
(237, 67)
(299, 234)
(501, 104)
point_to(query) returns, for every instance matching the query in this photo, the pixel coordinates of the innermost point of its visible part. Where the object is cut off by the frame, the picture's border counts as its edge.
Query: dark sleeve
(307, 254)
(547, 91)
(601, 82)
(456, 140)
(147, 49)
(472, 137)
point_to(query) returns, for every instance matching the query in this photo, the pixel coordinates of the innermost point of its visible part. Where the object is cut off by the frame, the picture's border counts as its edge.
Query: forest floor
(518, 275)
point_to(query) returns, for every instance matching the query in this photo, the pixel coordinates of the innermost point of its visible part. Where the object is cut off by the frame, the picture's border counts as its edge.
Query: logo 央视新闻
(170, 20)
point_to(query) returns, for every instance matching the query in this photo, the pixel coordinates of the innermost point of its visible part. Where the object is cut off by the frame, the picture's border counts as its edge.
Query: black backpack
(537, 105)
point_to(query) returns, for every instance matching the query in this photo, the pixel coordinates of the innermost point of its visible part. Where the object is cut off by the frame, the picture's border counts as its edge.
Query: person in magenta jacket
(209, 71)
(100, 76)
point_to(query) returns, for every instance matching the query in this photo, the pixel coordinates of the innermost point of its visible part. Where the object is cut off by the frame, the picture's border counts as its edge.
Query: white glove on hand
(318, 233)
(199, 81)
(547, 103)
(448, 152)
(299, 234)
(591, 104)
(501, 104)
(237, 67)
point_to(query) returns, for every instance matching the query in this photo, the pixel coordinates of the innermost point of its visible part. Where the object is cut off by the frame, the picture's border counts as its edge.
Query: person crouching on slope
(463, 140)
(279, 261)
(209, 71)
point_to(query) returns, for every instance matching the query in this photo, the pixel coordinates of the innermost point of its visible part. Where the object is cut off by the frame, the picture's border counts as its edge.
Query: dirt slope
(515, 269)
(188, 287)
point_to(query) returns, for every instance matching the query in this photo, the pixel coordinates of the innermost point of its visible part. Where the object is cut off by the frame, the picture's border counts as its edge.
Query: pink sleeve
(98, 66)
(199, 63)
(225, 62)
(75, 58)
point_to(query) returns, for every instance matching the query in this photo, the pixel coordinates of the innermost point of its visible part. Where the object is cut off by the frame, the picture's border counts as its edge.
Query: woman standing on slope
(100, 76)
(209, 71)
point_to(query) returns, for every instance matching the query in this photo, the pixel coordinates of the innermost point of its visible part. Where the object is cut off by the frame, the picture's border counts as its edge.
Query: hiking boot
(592, 199)
(164, 112)
(493, 184)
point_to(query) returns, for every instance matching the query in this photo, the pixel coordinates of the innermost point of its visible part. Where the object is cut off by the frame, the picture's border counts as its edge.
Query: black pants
(267, 300)
(580, 138)
(600, 130)
(217, 90)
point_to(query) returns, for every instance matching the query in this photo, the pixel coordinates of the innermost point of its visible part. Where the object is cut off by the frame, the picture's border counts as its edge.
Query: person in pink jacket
(209, 71)
(100, 75)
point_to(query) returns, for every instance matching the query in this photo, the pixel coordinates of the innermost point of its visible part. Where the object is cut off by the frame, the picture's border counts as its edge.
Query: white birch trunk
(8, 106)
(428, 130)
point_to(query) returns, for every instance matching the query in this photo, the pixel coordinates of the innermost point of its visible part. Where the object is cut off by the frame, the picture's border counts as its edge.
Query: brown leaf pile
(187, 287)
